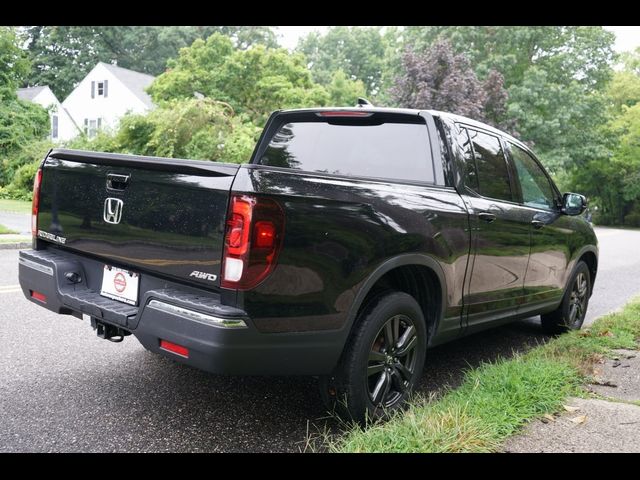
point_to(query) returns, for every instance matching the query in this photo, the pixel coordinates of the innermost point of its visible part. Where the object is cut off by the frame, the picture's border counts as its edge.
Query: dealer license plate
(120, 285)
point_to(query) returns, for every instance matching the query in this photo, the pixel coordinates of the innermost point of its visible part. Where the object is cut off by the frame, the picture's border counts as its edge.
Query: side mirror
(573, 203)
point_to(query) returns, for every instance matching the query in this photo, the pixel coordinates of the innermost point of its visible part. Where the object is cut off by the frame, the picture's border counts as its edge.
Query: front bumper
(219, 338)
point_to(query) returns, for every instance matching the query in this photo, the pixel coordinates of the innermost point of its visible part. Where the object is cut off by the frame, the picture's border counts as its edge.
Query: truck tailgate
(148, 214)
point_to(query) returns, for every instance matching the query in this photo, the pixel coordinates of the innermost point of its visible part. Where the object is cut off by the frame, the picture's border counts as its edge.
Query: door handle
(537, 224)
(487, 217)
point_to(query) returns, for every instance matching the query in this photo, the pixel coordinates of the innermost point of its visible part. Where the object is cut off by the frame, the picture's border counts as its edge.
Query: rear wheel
(382, 362)
(573, 309)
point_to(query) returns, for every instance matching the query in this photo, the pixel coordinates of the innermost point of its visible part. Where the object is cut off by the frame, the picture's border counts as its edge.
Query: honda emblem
(112, 210)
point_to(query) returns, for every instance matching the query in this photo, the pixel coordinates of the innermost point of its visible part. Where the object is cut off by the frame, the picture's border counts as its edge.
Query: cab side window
(537, 191)
(486, 166)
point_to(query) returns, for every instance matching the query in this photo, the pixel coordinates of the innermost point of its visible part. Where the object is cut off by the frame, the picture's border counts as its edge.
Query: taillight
(253, 238)
(35, 204)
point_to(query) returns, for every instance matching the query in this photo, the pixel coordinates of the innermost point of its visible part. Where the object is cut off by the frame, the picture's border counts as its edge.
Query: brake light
(253, 238)
(344, 113)
(35, 204)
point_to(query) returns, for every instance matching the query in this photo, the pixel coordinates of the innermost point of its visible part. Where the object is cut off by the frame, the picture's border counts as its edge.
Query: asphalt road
(64, 389)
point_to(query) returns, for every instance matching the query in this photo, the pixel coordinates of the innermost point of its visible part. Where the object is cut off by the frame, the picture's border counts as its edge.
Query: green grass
(496, 399)
(15, 206)
(4, 230)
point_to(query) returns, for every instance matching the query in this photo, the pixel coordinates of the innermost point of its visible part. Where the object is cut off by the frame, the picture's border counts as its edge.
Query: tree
(440, 79)
(344, 92)
(624, 88)
(20, 122)
(569, 53)
(254, 82)
(358, 51)
(63, 55)
(14, 65)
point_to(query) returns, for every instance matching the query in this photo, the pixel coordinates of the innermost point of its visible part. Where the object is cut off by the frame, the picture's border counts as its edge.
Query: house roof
(134, 81)
(29, 93)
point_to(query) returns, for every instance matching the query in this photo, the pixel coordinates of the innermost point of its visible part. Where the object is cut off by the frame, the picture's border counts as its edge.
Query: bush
(21, 168)
(632, 219)
(23, 128)
(201, 129)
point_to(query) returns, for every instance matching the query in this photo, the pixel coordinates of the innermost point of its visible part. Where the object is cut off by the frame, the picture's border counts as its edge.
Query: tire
(382, 362)
(571, 312)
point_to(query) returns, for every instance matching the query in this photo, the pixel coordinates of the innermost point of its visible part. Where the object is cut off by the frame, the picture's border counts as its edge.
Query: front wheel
(573, 309)
(382, 362)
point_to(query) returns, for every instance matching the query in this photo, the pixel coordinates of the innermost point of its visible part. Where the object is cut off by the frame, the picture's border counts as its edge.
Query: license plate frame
(120, 285)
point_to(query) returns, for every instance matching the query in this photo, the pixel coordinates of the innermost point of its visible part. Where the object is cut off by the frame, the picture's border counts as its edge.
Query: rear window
(399, 151)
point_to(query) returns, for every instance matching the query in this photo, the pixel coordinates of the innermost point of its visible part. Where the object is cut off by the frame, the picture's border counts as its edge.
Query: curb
(15, 246)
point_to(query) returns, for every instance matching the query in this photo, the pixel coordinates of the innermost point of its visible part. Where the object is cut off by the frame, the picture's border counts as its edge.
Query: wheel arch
(588, 254)
(396, 264)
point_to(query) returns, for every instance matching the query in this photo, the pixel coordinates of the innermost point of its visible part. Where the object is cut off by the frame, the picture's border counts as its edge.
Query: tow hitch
(108, 332)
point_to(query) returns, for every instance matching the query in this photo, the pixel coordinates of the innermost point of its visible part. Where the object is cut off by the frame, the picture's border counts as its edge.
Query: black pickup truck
(354, 239)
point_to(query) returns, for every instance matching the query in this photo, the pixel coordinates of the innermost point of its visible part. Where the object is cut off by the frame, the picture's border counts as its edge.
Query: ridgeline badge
(52, 237)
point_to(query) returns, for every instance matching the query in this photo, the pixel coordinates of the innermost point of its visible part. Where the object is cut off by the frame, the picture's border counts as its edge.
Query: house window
(92, 128)
(54, 127)
(100, 89)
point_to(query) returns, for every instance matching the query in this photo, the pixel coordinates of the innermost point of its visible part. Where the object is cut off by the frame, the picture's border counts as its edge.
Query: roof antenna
(362, 102)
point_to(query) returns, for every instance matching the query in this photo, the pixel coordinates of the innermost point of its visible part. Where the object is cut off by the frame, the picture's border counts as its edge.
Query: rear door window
(491, 166)
(399, 151)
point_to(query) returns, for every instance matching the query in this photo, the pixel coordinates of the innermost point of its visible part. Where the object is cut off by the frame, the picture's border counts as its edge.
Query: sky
(627, 38)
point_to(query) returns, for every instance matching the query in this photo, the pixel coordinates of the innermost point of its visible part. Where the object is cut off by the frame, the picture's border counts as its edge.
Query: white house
(62, 125)
(105, 95)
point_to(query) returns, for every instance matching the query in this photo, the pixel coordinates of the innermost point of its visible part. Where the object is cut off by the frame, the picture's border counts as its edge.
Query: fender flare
(388, 265)
(586, 249)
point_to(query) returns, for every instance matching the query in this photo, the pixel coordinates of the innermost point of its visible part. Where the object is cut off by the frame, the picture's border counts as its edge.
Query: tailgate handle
(117, 182)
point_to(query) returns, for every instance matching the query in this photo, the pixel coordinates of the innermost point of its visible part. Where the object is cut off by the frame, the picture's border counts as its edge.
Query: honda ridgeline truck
(353, 240)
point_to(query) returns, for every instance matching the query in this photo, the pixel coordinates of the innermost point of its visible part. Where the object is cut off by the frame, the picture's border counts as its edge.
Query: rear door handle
(487, 217)
(537, 224)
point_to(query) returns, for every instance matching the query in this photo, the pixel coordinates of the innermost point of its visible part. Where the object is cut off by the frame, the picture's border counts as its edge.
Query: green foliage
(201, 129)
(344, 92)
(360, 52)
(254, 82)
(20, 168)
(14, 65)
(196, 69)
(566, 53)
(624, 88)
(21, 123)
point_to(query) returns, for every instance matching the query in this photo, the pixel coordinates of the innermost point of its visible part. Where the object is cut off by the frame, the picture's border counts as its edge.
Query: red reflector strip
(344, 113)
(174, 348)
(38, 296)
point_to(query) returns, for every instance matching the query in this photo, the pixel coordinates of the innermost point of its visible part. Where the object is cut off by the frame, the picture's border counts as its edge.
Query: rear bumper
(219, 338)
